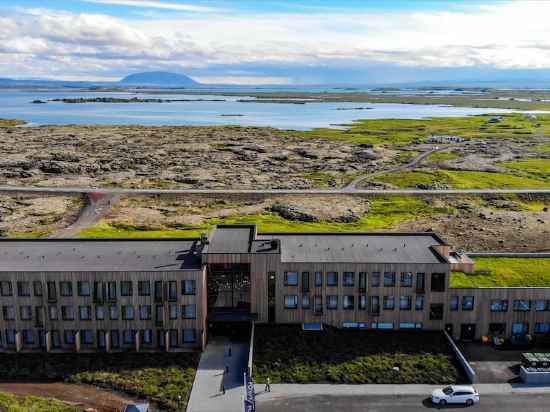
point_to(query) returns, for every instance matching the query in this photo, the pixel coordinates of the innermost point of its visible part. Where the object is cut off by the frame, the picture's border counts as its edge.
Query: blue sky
(279, 41)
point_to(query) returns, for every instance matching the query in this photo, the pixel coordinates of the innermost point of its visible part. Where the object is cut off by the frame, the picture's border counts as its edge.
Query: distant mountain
(161, 79)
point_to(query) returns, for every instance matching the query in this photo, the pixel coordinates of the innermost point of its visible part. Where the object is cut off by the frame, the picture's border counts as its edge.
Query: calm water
(15, 104)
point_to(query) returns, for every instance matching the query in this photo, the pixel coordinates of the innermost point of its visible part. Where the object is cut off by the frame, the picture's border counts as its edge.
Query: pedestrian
(229, 352)
(267, 385)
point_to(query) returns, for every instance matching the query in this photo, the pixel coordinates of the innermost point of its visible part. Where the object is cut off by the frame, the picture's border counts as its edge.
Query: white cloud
(248, 80)
(155, 5)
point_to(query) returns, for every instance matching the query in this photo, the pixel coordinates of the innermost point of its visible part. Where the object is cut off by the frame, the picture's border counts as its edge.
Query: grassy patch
(539, 168)
(460, 179)
(542, 148)
(286, 354)
(439, 157)
(506, 272)
(10, 122)
(159, 377)
(405, 157)
(15, 403)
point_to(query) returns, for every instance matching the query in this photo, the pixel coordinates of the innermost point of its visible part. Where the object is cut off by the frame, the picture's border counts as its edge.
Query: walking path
(206, 395)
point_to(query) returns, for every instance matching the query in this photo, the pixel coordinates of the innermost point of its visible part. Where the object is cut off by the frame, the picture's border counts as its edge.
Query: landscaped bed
(287, 354)
(14, 403)
(159, 377)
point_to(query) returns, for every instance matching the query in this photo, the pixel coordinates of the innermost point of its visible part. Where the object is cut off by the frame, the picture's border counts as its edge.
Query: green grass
(384, 213)
(286, 354)
(19, 403)
(535, 167)
(439, 157)
(405, 157)
(460, 179)
(505, 272)
(542, 148)
(10, 122)
(159, 377)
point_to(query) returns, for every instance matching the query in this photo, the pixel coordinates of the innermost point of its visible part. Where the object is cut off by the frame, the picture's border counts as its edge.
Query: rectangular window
(419, 303)
(332, 278)
(100, 312)
(388, 303)
(332, 302)
(126, 288)
(10, 336)
(144, 288)
(305, 282)
(158, 291)
(115, 339)
(497, 328)
(363, 281)
(520, 328)
(189, 336)
(52, 292)
(69, 337)
(349, 279)
(173, 335)
(86, 337)
(146, 336)
(129, 336)
(542, 328)
(52, 310)
(389, 279)
(454, 303)
(188, 287)
(173, 311)
(113, 312)
(111, 291)
(291, 278)
(349, 302)
(127, 312)
(405, 303)
(541, 305)
(28, 336)
(436, 311)
(375, 279)
(23, 288)
(159, 314)
(25, 312)
(318, 304)
(305, 301)
(363, 302)
(291, 302)
(522, 305)
(83, 288)
(67, 312)
(406, 279)
(99, 291)
(172, 290)
(499, 305)
(145, 312)
(420, 282)
(318, 279)
(85, 312)
(8, 312)
(467, 303)
(56, 338)
(39, 315)
(189, 311)
(6, 288)
(65, 288)
(37, 288)
(438, 282)
(375, 305)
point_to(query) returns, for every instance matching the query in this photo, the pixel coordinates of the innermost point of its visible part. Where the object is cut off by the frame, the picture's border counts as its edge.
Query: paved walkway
(206, 395)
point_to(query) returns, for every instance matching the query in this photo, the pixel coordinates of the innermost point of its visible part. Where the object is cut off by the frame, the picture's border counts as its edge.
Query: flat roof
(231, 239)
(113, 255)
(358, 247)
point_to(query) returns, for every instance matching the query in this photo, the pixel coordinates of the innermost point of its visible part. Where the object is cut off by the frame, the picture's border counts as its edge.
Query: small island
(78, 100)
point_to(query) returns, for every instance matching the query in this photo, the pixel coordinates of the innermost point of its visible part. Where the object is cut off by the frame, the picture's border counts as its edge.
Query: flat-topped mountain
(158, 79)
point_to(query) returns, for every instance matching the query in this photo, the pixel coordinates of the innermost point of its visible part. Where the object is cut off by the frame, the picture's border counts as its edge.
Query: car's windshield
(448, 390)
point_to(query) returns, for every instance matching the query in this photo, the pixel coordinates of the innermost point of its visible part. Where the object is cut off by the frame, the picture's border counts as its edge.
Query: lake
(16, 104)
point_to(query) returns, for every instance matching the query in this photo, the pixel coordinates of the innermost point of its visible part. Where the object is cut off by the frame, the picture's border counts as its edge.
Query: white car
(455, 394)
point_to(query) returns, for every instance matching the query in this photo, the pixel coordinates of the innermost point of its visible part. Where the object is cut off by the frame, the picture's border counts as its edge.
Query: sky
(277, 42)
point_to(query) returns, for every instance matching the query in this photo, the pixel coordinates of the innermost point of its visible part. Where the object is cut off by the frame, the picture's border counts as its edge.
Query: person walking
(267, 385)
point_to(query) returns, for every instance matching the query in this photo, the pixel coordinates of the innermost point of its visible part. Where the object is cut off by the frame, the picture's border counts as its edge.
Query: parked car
(455, 394)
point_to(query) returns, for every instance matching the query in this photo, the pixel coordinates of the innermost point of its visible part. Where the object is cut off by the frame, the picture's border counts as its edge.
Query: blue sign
(249, 394)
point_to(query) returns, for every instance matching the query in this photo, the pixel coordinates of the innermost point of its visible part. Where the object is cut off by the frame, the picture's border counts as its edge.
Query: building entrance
(228, 288)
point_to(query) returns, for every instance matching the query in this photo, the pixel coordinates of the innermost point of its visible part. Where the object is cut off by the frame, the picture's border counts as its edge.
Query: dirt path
(82, 395)
(97, 205)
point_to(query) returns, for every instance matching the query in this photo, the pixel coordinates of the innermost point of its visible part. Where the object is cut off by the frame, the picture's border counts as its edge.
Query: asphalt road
(391, 403)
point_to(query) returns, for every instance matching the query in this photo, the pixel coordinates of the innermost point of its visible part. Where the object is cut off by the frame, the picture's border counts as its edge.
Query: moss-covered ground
(19, 403)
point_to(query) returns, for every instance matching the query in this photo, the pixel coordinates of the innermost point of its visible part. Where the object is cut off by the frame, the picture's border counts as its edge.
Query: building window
(375, 279)
(420, 282)
(438, 282)
(28, 336)
(113, 312)
(188, 286)
(115, 338)
(389, 279)
(363, 281)
(159, 313)
(388, 303)
(172, 311)
(8, 312)
(146, 336)
(406, 279)
(349, 302)
(382, 325)
(126, 288)
(129, 337)
(497, 328)
(158, 291)
(522, 305)
(52, 293)
(6, 288)
(67, 312)
(172, 290)
(436, 311)
(363, 302)
(25, 312)
(405, 303)
(318, 304)
(542, 328)
(23, 289)
(541, 305)
(291, 302)
(318, 279)
(111, 290)
(145, 312)
(349, 279)
(454, 303)
(69, 337)
(499, 305)
(66, 288)
(332, 302)
(10, 336)
(305, 301)
(86, 337)
(127, 312)
(291, 278)
(100, 312)
(52, 310)
(467, 303)
(173, 335)
(85, 312)
(189, 336)
(375, 305)
(189, 311)
(305, 282)
(144, 288)
(56, 338)
(332, 278)
(37, 286)
(520, 328)
(419, 303)
(83, 288)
